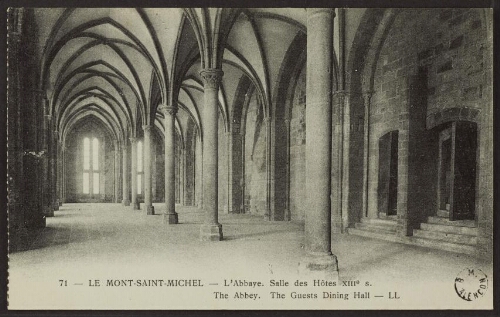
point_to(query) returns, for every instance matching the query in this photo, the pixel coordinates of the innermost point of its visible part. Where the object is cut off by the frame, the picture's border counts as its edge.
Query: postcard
(250, 158)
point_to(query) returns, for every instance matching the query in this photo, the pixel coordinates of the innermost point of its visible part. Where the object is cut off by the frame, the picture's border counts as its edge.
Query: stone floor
(88, 242)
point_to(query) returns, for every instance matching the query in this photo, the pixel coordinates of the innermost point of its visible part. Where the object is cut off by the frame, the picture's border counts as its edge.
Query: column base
(150, 210)
(136, 205)
(320, 266)
(56, 205)
(39, 222)
(171, 219)
(211, 232)
(267, 216)
(49, 211)
(126, 202)
(60, 203)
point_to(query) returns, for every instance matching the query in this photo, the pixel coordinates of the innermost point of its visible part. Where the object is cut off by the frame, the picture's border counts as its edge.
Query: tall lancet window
(91, 172)
(95, 165)
(140, 170)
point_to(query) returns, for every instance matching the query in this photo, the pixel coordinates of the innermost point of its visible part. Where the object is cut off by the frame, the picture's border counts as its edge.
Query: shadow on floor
(244, 236)
(57, 236)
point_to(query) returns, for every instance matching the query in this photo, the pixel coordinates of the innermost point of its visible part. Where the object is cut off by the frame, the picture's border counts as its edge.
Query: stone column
(229, 172)
(338, 223)
(125, 179)
(55, 146)
(170, 216)
(366, 156)
(59, 173)
(133, 168)
(485, 182)
(182, 173)
(348, 219)
(198, 172)
(319, 260)
(268, 215)
(288, 213)
(211, 230)
(63, 174)
(148, 158)
(47, 185)
(16, 153)
(235, 171)
(117, 172)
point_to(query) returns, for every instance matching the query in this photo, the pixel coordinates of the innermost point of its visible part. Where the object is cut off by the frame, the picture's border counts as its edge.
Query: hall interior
(346, 143)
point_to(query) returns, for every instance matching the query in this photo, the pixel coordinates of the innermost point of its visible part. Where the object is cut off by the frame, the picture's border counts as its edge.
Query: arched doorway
(388, 174)
(457, 170)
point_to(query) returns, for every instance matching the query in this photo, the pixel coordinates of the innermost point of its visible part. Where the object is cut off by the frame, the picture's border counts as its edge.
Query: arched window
(91, 172)
(140, 170)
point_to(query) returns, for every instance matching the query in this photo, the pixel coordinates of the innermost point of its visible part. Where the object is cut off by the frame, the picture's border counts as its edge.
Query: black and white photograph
(246, 158)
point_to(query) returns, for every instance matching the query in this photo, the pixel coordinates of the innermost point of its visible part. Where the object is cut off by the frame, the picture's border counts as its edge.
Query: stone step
(449, 229)
(376, 227)
(378, 221)
(414, 240)
(445, 236)
(387, 236)
(443, 214)
(383, 215)
(443, 245)
(456, 223)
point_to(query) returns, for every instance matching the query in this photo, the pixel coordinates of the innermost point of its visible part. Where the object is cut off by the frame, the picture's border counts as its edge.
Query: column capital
(166, 109)
(147, 127)
(133, 140)
(211, 77)
(267, 119)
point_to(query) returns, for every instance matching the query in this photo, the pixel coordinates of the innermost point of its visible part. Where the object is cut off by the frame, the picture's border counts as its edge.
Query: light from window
(86, 187)
(90, 168)
(86, 154)
(95, 154)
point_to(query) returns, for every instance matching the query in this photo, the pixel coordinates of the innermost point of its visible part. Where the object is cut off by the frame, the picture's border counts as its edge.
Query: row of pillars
(170, 215)
(319, 259)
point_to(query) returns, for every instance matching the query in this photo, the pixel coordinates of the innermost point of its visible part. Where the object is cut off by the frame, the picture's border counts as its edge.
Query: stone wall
(190, 148)
(255, 160)
(298, 150)
(431, 65)
(223, 166)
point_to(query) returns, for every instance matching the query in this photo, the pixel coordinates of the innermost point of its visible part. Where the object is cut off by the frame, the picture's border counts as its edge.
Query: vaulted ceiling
(120, 64)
